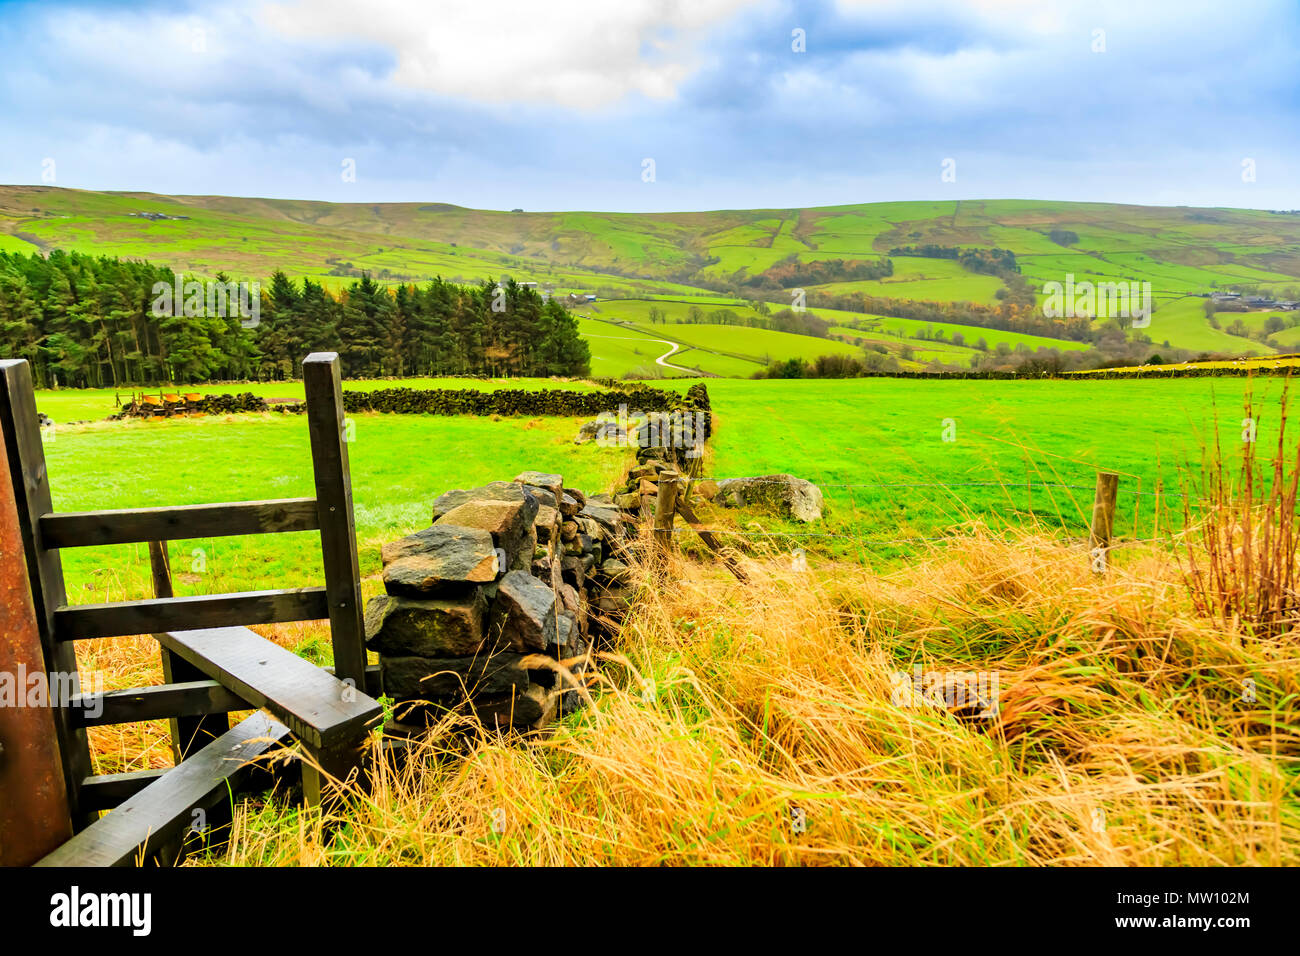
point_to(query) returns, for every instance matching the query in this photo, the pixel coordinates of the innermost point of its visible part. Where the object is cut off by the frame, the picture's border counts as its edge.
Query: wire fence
(869, 541)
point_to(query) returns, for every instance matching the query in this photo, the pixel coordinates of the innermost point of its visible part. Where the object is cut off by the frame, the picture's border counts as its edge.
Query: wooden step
(160, 813)
(322, 711)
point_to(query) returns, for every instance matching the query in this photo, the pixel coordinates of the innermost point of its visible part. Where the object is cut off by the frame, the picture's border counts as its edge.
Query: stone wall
(516, 401)
(496, 606)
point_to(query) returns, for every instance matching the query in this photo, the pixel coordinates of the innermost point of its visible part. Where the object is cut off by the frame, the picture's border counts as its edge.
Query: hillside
(720, 259)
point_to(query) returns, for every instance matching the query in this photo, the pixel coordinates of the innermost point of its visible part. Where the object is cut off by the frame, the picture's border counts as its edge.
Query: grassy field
(1116, 696)
(933, 280)
(399, 465)
(1120, 736)
(754, 347)
(879, 467)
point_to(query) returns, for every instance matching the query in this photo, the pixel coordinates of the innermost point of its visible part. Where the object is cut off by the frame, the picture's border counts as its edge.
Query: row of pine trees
(91, 321)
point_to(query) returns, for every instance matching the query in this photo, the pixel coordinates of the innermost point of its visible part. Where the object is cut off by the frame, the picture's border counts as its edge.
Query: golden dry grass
(1130, 730)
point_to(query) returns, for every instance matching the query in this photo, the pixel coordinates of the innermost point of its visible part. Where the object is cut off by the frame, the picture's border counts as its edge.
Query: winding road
(673, 348)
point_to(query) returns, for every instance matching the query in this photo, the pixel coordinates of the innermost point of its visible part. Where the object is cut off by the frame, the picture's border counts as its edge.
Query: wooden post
(709, 539)
(30, 481)
(1103, 518)
(34, 818)
(338, 534)
(189, 734)
(338, 537)
(665, 512)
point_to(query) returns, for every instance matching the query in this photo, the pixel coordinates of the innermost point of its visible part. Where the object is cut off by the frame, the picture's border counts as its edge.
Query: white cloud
(569, 53)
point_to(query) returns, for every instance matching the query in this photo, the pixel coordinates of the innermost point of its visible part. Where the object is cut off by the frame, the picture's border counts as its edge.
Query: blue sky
(558, 104)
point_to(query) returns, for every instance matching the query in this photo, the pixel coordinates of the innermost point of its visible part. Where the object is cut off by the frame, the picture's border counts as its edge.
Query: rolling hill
(713, 259)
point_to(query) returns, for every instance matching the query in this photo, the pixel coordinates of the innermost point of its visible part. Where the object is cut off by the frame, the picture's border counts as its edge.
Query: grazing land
(1025, 453)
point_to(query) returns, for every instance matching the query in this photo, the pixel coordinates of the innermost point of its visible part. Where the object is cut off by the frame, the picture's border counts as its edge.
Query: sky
(658, 105)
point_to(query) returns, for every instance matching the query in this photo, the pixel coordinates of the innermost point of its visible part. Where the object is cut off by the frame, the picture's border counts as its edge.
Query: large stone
(606, 517)
(546, 523)
(531, 707)
(573, 570)
(439, 561)
(617, 573)
(589, 432)
(407, 678)
(524, 610)
(493, 491)
(783, 495)
(431, 628)
(511, 524)
(706, 489)
(554, 484)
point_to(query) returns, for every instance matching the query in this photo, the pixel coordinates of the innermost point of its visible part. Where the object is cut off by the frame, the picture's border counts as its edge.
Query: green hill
(708, 258)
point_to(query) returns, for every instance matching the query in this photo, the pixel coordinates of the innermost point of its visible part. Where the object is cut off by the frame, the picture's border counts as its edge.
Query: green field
(935, 280)
(874, 445)
(399, 465)
(909, 330)
(684, 258)
(748, 348)
(1183, 323)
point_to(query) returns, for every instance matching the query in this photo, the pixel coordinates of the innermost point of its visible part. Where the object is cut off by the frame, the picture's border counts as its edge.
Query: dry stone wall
(516, 401)
(496, 606)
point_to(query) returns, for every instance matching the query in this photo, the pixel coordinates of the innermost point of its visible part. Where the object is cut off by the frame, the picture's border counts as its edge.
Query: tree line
(96, 321)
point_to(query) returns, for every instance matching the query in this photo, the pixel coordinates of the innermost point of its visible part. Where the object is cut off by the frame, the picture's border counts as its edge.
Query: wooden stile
(212, 663)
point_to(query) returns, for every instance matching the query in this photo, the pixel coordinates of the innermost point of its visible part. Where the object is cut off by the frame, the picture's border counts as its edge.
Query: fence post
(1103, 519)
(189, 734)
(338, 535)
(665, 512)
(30, 480)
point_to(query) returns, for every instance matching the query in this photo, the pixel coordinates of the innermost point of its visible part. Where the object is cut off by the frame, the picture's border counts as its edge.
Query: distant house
(155, 216)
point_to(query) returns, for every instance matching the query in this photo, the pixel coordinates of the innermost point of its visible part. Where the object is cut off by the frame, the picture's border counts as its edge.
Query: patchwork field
(708, 259)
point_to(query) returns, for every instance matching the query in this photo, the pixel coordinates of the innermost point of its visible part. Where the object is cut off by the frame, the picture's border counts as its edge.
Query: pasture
(874, 445)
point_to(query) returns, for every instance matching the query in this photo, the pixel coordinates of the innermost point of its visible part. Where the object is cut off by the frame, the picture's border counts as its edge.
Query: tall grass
(761, 723)
(1241, 547)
